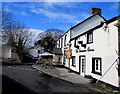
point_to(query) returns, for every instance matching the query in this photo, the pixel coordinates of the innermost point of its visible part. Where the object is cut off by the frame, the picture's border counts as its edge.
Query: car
(29, 58)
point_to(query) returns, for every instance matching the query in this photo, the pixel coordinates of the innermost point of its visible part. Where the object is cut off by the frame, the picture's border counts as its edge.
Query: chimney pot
(95, 10)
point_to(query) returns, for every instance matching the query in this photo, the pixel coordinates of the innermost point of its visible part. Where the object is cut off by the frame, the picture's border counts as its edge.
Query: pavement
(62, 73)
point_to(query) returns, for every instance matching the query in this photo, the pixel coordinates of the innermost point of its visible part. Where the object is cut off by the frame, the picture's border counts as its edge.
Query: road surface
(25, 79)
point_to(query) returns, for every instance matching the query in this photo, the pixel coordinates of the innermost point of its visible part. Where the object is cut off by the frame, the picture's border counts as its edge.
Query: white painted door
(82, 65)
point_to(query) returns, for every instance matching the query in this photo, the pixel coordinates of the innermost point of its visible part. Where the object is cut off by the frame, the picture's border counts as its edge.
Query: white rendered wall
(105, 45)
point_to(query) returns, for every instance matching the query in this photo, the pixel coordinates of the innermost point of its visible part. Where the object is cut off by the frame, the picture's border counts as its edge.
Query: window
(73, 61)
(65, 40)
(75, 43)
(90, 37)
(83, 64)
(59, 59)
(96, 66)
(64, 56)
(61, 42)
(38, 51)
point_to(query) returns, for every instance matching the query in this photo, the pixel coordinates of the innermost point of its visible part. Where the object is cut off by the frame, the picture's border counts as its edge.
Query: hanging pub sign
(69, 53)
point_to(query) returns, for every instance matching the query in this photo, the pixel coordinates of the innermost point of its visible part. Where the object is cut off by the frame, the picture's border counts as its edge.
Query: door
(82, 65)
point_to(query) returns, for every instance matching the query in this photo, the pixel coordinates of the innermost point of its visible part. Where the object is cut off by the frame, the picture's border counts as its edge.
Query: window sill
(98, 73)
(89, 42)
(73, 65)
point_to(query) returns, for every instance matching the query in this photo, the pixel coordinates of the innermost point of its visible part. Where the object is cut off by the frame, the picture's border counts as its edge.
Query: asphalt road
(24, 79)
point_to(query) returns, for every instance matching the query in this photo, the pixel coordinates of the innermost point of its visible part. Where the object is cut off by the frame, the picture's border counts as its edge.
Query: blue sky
(40, 16)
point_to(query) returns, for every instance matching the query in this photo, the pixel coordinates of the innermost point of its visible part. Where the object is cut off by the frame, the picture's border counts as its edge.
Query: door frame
(80, 65)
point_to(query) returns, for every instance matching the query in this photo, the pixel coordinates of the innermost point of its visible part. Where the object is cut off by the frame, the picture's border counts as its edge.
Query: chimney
(95, 10)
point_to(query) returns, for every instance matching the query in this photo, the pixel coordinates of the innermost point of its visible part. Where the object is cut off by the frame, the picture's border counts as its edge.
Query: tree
(15, 33)
(47, 39)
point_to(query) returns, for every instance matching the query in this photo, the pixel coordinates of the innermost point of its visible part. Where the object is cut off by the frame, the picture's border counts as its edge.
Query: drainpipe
(107, 70)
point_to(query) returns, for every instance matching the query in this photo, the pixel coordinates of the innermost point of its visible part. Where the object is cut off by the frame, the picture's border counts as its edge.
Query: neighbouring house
(8, 53)
(5, 51)
(35, 51)
(92, 47)
(57, 55)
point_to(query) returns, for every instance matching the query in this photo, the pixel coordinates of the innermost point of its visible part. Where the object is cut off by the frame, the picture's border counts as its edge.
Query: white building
(95, 46)
(35, 51)
(7, 53)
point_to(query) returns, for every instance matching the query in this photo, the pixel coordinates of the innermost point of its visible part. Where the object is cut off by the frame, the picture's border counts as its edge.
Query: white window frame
(97, 65)
(90, 37)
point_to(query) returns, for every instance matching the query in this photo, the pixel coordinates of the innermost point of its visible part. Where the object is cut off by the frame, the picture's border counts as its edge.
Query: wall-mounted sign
(69, 53)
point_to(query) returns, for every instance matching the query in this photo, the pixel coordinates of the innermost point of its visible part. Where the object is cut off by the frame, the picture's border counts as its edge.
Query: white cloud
(53, 15)
(60, 1)
(6, 9)
(58, 16)
(24, 13)
(85, 15)
(114, 6)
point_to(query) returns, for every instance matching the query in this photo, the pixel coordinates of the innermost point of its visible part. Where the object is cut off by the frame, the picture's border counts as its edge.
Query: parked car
(29, 58)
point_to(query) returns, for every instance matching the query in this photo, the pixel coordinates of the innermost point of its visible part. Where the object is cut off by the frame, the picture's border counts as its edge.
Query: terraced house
(92, 48)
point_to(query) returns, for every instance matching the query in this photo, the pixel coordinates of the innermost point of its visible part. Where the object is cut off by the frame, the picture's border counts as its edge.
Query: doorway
(82, 65)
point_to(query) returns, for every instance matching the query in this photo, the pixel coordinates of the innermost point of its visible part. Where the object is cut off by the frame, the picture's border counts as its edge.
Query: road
(23, 78)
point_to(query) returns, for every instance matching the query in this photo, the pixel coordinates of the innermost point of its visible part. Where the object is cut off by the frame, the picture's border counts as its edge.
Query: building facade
(94, 46)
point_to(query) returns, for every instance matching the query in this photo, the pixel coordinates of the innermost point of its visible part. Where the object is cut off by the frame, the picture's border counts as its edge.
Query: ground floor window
(64, 56)
(96, 66)
(59, 59)
(73, 61)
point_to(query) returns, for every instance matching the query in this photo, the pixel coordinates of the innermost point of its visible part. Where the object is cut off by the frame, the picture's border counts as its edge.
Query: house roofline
(88, 19)
(82, 22)
(109, 21)
(98, 26)
(113, 19)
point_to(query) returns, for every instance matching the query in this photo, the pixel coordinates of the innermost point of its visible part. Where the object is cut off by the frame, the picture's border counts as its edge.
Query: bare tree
(15, 33)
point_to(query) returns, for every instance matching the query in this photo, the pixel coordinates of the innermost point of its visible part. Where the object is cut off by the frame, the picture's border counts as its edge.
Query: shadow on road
(10, 86)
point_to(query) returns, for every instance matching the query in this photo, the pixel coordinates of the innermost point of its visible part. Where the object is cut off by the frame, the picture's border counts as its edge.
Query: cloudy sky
(40, 16)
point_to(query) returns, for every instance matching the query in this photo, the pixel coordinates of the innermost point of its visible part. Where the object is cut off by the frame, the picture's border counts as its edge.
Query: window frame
(65, 40)
(64, 59)
(98, 64)
(75, 43)
(61, 42)
(74, 62)
(90, 35)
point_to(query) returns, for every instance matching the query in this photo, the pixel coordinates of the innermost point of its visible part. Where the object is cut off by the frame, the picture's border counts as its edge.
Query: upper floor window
(75, 43)
(90, 37)
(61, 42)
(65, 40)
